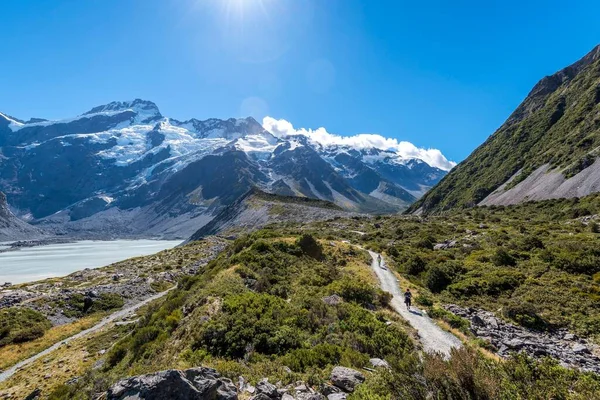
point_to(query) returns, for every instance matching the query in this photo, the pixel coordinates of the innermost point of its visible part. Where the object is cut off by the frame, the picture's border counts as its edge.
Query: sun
(242, 9)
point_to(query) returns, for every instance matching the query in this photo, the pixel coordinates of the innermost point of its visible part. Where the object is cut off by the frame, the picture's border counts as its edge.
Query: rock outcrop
(191, 384)
(506, 338)
(13, 228)
(346, 378)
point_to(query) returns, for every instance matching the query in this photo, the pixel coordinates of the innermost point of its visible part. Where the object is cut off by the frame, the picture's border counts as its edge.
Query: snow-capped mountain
(125, 168)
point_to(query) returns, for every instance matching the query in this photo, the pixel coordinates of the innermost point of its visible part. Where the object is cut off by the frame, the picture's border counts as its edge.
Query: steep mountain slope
(546, 149)
(125, 169)
(11, 227)
(256, 209)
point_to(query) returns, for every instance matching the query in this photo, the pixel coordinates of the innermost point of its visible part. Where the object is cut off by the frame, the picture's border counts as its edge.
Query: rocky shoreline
(570, 350)
(130, 281)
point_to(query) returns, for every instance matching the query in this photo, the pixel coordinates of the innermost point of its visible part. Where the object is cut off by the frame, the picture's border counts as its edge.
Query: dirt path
(111, 318)
(433, 338)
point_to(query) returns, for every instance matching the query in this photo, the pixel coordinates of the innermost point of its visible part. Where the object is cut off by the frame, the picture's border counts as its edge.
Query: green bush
(525, 314)
(354, 290)
(414, 265)
(502, 258)
(311, 247)
(18, 325)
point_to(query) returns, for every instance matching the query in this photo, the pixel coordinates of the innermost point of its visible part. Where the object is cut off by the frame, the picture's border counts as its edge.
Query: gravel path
(113, 317)
(433, 338)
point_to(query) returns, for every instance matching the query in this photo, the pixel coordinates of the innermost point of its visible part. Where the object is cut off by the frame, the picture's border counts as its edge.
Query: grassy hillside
(536, 264)
(259, 311)
(557, 124)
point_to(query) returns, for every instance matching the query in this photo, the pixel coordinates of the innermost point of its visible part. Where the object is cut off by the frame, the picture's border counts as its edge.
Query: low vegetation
(18, 325)
(266, 308)
(536, 264)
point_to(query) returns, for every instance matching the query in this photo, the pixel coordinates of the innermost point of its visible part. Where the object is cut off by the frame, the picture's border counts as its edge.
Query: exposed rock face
(11, 227)
(507, 338)
(191, 384)
(346, 378)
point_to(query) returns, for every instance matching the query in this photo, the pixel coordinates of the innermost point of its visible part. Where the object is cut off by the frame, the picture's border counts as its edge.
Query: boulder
(332, 300)
(346, 378)
(268, 389)
(379, 363)
(337, 396)
(580, 349)
(191, 384)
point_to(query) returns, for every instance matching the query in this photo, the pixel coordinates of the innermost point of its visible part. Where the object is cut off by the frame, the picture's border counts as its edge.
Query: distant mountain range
(125, 169)
(548, 148)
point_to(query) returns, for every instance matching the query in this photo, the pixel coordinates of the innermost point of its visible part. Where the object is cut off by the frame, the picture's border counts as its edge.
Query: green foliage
(440, 276)
(556, 125)
(18, 325)
(414, 265)
(525, 314)
(502, 258)
(310, 247)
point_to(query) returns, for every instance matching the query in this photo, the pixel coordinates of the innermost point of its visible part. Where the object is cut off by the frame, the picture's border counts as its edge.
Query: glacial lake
(41, 262)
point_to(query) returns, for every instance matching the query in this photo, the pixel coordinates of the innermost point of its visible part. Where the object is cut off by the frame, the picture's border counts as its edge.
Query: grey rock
(268, 389)
(327, 389)
(567, 348)
(332, 300)
(346, 378)
(260, 396)
(337, 396)
(379, 363)
(287, 396)
(191, 384)
(580, 348)
(310, 396)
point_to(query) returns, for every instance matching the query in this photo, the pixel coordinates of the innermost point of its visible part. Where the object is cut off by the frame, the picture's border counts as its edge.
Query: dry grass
(56, 368)
(13, 353)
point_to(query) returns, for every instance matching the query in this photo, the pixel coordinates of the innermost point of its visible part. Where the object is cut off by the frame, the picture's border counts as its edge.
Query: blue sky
(440, 74)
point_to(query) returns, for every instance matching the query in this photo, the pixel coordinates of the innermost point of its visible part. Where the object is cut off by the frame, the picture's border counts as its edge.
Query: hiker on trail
(408, 298)
(379, 259)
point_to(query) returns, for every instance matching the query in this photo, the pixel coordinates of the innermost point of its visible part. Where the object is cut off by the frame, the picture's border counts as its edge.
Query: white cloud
(282, 128)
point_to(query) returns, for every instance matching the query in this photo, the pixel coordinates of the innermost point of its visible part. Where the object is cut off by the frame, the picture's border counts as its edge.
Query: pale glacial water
(35, 263)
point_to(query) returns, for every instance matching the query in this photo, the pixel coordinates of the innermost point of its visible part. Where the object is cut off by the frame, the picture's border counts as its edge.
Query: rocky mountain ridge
(125, 169)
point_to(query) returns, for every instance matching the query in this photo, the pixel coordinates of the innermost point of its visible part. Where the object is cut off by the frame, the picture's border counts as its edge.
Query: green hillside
(557, 124)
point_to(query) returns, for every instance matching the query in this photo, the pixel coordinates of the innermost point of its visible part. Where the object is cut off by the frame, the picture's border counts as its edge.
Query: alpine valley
(125, 170)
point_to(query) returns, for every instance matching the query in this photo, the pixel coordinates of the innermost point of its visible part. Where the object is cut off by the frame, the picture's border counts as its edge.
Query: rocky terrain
(256, 209)
(13, 228)
(63, 300)
(207, 384)
(507, 338)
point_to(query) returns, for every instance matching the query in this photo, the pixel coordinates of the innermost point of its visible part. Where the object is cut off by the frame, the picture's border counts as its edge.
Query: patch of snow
(13, 124)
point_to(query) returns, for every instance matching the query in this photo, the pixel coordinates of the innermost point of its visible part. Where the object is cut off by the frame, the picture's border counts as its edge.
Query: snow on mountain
(401, 149)
(125, 165)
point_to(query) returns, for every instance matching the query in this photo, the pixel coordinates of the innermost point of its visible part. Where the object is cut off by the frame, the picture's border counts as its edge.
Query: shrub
(106, 302)
(354, 290)
(502, 258)
(18, 325)
(525, 314)
(414, 265)
(424, 300)
(438, 278)
(311, 247)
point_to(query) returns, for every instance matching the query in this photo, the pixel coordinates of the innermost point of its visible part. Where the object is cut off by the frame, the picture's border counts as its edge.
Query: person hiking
(408, 298)
(379, 260)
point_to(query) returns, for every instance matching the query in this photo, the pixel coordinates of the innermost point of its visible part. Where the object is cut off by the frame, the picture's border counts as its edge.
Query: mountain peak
(141, 107)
